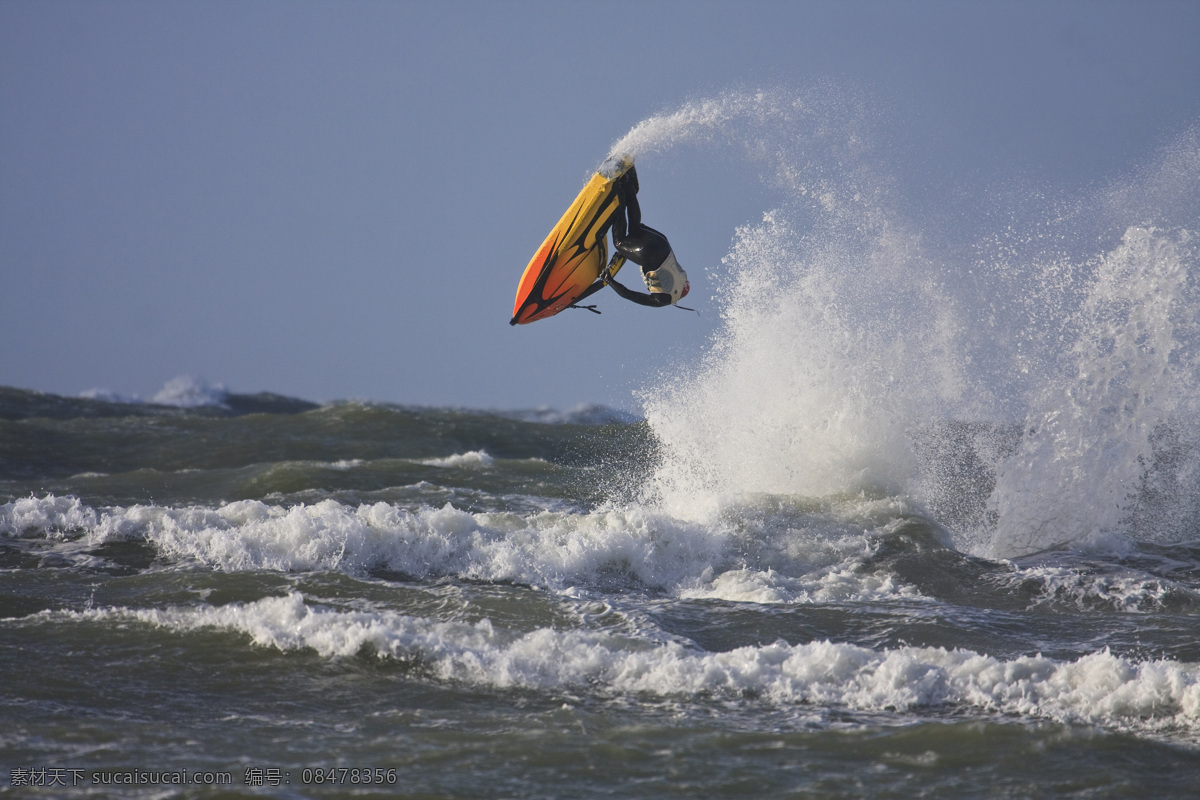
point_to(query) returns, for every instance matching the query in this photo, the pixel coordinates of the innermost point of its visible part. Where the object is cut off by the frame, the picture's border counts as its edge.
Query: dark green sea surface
(270, 598)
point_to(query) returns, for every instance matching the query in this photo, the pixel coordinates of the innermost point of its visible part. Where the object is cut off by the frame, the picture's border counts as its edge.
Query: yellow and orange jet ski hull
(576, 251)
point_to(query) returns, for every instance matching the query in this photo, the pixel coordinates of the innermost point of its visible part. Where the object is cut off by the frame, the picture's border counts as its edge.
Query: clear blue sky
(336, 199)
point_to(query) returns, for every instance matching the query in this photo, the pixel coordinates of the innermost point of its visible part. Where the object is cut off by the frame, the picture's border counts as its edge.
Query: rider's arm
(657, 299)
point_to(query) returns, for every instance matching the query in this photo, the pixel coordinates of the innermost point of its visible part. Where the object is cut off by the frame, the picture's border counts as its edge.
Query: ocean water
(923, 520)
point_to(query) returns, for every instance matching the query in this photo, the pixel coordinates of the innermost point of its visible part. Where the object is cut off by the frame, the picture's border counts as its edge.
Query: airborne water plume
(1056, 363)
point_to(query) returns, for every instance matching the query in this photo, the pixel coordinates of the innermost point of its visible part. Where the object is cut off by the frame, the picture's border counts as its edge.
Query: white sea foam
(1100, 688)
(184, 391)
(796, 557)
(47, 516)
(189, 391)
(475, 458)
(1122, 590)
(841, 583)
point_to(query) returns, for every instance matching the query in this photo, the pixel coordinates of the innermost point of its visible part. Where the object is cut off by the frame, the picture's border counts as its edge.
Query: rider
(644, 246)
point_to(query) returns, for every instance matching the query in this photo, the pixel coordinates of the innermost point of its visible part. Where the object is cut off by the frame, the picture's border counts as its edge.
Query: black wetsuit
(638, 243)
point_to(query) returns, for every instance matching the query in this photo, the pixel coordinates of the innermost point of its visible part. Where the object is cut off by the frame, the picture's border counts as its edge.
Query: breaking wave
(1028, 388)
(1098, 688)
(633, 548)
